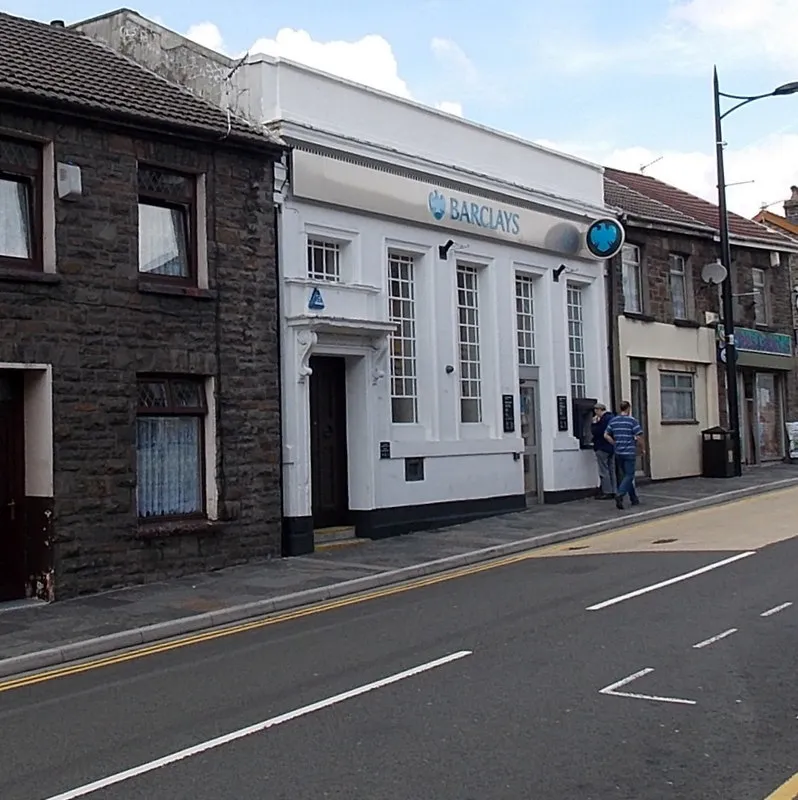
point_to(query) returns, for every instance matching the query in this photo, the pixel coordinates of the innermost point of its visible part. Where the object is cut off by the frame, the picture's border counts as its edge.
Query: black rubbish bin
(717, 453)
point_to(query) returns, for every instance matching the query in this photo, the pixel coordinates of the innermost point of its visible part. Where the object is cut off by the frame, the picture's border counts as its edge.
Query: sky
(625, 83)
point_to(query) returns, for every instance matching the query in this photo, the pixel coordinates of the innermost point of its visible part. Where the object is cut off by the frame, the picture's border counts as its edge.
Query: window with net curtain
(20, 172)
(169, 447)
(677, 396)
(166, 210)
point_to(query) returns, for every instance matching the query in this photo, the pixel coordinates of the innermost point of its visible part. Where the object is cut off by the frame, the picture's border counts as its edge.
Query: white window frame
(761, 310)
(677, 272)
(575, 313)
(525, 319)
(686, 389)
(330, 250)
(468, 336)
(403, 343)
(632, 269)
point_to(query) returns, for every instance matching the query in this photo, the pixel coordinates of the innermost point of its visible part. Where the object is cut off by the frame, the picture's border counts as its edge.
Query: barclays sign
(478, 215)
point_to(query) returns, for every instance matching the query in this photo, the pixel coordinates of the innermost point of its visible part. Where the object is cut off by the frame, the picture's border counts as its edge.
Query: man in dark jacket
(605, 453)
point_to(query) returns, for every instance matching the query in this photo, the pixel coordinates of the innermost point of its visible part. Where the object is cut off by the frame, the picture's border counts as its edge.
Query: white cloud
(369, 61)
(450, 107)
(771, 163)
(208, 35)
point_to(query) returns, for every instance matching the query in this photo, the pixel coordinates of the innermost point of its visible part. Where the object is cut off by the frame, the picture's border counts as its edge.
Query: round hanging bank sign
(605, 237)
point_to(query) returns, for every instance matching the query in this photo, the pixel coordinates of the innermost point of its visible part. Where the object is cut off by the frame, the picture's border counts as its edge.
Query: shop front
(764, 362)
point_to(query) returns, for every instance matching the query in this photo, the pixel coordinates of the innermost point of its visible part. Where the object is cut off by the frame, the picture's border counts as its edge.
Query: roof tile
(700, 211)
(64, 66)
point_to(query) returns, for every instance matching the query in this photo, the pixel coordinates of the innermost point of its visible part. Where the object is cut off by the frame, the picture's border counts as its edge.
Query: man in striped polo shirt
(626, 435)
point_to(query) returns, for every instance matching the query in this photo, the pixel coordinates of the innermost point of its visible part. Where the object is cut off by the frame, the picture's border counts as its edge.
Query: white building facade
(444, 327)
(438, 317)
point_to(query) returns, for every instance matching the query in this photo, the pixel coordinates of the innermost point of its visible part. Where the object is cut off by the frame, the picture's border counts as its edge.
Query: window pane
(152, 394)
(678, 296)
(169, 466)
(631, 288)
(16, 239)
(163, 241)
(187, 394)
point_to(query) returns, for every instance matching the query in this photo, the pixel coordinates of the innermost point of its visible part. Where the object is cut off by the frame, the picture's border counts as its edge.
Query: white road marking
(610, 690)
(772, 611)
(713, 639)
(670, 581)
(211, 744)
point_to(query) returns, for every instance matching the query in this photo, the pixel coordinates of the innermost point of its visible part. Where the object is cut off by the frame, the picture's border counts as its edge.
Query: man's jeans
(628, 466)
(606, 471)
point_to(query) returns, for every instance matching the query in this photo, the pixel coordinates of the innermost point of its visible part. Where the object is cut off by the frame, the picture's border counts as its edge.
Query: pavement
(40, 636)
(619, 667)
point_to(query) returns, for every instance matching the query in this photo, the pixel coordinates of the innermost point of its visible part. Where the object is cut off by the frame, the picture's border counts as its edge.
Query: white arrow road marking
(610, 690)
(211, 744)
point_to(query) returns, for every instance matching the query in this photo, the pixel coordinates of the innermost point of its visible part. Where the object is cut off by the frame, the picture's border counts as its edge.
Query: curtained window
(167, 213)
(20, 179)
(170, 446)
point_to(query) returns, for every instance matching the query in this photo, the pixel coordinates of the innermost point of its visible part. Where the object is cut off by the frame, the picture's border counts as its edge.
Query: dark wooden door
(12, 486)
(328, 448)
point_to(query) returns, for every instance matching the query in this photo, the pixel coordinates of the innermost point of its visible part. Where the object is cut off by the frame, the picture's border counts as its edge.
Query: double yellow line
(274, 619)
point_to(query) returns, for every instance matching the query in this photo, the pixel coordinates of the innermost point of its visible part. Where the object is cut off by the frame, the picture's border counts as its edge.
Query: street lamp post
(732, 395)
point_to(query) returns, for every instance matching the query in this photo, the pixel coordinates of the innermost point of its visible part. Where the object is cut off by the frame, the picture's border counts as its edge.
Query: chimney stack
(791, 206)
(58, 23)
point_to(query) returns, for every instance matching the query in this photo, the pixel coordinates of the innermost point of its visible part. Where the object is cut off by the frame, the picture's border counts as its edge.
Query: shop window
(525, 319)
(402, 311)
(677, 396)
(468, 330)
(576, 341)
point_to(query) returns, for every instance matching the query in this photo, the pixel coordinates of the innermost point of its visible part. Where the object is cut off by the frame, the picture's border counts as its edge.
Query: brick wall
(655, 249)
(99, 330)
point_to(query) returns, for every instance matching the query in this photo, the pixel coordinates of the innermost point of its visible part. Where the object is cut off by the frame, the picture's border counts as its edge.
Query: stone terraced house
(139, 355)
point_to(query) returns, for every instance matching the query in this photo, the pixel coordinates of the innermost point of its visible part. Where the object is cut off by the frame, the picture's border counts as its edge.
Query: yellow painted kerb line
(787, 791)
(316, 608)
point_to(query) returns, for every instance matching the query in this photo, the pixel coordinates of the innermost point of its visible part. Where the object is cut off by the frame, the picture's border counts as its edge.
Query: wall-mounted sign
(316, 302)
(562, 412)
(605, 237)
(385, 450)
(479, 215)
(508, 412)
(748, 340)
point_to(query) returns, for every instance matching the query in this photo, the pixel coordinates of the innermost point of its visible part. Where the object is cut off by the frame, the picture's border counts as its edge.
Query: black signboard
(562, 412)
(508, 412)
(385, 449)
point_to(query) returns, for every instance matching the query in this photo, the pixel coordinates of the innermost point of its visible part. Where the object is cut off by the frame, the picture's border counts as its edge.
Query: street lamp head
(787, 88)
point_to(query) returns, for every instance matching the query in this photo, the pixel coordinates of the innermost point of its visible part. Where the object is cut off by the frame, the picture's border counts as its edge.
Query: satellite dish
(714, 273)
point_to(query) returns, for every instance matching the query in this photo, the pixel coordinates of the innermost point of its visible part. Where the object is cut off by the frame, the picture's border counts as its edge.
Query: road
(654, 662)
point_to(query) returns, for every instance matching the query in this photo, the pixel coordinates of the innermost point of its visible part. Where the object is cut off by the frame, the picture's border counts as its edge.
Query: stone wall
(98, 328)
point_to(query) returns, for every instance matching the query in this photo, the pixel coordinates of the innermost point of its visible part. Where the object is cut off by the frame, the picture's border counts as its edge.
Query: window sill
(175, 290)
(17, 275)
(150, 530)
(686, 323)
(679, 422)
(639, 317)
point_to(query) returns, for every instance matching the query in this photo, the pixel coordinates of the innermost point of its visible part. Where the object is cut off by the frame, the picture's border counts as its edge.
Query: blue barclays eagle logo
(437, 204)
(604, 237)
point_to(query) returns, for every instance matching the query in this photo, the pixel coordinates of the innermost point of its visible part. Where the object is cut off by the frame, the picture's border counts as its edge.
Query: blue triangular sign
(316, 302)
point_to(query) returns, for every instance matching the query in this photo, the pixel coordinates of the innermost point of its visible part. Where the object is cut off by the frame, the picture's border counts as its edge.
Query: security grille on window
(402, 310)
(167, 222)
(20, 203)
(576, 341)
(677, 396)
(468, 328)
(324, 260)
(525, 320)
(677, 268)
(760, 297)
(169, 447)
(631, 269)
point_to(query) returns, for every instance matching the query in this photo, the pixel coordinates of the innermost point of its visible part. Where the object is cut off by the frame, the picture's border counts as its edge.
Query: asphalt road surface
(601, 675)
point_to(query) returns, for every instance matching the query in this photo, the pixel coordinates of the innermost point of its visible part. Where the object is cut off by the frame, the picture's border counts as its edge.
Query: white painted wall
(675, 450)
(462, 461)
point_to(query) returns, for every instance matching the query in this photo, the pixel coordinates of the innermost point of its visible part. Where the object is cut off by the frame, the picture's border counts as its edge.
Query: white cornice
(304, 134)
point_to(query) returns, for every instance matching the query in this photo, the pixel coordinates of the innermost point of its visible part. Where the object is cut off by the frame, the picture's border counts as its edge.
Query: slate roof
(67, 68)
(669, 201)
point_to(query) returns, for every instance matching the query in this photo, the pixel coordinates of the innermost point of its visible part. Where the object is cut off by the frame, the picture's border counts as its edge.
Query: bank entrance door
(530, 432)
